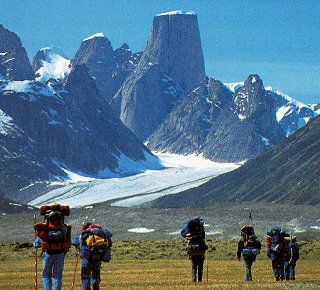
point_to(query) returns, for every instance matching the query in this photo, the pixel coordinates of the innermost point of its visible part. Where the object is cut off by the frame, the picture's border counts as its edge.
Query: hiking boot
(277, 278)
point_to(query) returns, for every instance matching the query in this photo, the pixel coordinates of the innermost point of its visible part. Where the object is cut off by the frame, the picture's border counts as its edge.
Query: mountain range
(91, 114)
(52, 127)
(286, 173)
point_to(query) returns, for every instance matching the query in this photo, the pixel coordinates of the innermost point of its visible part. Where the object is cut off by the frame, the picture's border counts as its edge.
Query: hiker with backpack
(277, 251)
(194, 232)
(249, 247)
(94, 244)
(54, 237)
(294, 257)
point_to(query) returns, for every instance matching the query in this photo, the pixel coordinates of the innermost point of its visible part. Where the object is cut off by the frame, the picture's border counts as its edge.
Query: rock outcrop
(14, 62)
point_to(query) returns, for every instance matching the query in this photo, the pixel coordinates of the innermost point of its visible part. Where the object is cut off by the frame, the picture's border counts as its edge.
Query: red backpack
(54, 233)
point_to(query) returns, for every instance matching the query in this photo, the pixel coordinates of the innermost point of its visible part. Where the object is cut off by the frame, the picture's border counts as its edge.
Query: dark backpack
(251, 243)
(276, 241)
(195, 234)
(96, 243)
(196, 246)
(195, 227)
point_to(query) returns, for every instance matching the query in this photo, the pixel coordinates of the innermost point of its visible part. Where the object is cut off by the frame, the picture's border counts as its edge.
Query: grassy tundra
(164, 265)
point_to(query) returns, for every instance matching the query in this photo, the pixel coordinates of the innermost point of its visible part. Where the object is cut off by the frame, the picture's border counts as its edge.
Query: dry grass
(152, 272)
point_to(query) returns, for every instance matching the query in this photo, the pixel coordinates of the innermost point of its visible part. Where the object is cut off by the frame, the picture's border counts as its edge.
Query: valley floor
(172, 271)
(222, 221)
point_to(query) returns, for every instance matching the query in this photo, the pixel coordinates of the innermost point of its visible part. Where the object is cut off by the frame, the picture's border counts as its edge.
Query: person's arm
(240, 248)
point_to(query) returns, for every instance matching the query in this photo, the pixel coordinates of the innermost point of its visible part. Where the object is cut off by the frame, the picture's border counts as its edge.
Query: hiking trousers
(90, 272)
(52, 268)
(248, 261)
(197, 267)
(292, 270)
(278, 264)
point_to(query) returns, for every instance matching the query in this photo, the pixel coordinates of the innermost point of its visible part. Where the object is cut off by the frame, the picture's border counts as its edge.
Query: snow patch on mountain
(19, 86)
(292, 114)
(29, 90)
(6, 123)
(234, 86)
(54, 64)
(177, 12)
(99, 34)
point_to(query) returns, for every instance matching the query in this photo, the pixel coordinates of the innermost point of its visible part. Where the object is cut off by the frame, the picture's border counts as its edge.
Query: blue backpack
(95, 243)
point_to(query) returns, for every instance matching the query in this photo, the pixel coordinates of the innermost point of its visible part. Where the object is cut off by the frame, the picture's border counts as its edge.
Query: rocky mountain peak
(122, 54)
(174, 43)
(97, 54)
(14, 62)
(172, 64)
(254, 81)
(50, 62)
(250, 97)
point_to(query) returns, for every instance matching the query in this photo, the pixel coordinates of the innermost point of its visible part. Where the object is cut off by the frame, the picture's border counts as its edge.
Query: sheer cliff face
(175, 45)
(172, 64)
(14, 62)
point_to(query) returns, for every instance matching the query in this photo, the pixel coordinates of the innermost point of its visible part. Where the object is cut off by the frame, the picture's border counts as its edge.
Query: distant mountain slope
(229, 126)
(8, 206)
(287, 173)
(21, 162)
(14, 62)
(108, 67)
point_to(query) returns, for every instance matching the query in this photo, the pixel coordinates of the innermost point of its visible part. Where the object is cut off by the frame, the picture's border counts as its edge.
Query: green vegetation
(164, 265)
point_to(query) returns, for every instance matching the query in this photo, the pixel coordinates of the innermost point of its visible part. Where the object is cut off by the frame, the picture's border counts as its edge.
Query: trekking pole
(207, 269)
(250, 216)
(75, 270)
(35, 267)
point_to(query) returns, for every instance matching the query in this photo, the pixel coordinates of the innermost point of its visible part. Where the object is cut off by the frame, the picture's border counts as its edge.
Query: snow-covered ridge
(177, 12)
(18, 86)
(287, 97)
(55, 65)
(234, 86)
(99, 34)
(31, 90)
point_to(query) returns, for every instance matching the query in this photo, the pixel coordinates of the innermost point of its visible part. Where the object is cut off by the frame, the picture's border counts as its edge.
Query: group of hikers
(94, 246)
(54, 237)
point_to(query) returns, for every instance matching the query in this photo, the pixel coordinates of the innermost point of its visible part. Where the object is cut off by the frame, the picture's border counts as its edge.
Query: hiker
(277, 251)
(287, 243)
(194, 232)
(53, 236)
(294, 257)
(94, 244)
(249, 246)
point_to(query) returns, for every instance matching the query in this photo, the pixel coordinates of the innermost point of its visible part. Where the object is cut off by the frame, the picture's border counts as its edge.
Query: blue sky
(278, 39)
